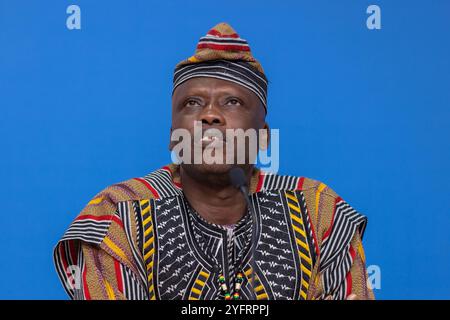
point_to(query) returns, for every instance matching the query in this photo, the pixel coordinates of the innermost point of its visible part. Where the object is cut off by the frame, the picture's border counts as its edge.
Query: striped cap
(222, 54)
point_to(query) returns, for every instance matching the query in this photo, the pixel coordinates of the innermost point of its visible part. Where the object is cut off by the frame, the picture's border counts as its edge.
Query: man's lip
(209, 140)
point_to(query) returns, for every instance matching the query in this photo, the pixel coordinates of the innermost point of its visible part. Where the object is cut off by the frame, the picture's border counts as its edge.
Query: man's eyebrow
(193, 91)
(202, 90)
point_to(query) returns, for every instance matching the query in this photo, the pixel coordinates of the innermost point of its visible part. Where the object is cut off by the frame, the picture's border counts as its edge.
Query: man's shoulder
(293, 183)
(105, 209)
(150, 186)
(154, 185)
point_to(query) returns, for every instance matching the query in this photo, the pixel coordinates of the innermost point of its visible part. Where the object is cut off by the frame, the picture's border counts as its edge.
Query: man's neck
(214, 198)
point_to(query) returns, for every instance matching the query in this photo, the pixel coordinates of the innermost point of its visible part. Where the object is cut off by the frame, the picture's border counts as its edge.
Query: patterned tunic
(140, 239)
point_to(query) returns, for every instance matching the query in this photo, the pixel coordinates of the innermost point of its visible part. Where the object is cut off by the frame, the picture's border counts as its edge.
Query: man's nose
(212, 116)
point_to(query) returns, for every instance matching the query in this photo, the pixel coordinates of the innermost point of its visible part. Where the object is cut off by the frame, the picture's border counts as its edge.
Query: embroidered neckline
(234, 268)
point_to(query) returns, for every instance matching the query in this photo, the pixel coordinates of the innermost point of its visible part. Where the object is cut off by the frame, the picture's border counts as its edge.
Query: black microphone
(239, 181)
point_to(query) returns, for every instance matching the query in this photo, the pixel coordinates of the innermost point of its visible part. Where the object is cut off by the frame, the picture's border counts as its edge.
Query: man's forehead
(207, 85)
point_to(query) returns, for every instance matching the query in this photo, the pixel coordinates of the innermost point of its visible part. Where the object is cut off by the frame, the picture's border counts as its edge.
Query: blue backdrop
(365, 111)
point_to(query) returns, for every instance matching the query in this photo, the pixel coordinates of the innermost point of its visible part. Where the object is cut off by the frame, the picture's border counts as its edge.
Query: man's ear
(264, 137)
(171, 143)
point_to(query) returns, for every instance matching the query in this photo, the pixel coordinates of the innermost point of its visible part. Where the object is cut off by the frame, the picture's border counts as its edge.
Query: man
(186, 232)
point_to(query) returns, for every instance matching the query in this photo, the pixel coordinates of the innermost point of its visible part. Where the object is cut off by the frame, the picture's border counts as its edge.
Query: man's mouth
(209, 139)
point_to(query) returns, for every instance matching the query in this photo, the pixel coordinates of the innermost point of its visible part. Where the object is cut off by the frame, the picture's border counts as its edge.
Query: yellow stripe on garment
(303, 294)
(115, 249)
(96, 200)
(149, 242)
(361, 253)
(317, 281)
(149, 254)
(304, 257)
(192, 298)
(262, 296)
(199, 282)
(293, 198)
(152, 292)
(203, 273)
(296, 209)
(305, 270)
(196, 291)
(302, 244)
(259, 288)
(298, 229)
(319, 190)
(109, 291)
(147, 220)
(305, 284)
(193, 59)
(293, 216)
(146, 233)
(146, 210)
(143, 203)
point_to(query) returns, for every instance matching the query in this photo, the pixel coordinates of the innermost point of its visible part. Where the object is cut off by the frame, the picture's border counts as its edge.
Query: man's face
(217, 104)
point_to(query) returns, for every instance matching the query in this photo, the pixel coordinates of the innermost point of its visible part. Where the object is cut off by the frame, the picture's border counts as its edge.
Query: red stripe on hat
(222, 47)
(218, 34)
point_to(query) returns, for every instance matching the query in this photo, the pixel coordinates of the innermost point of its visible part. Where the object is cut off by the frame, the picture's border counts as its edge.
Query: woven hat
(223, 54)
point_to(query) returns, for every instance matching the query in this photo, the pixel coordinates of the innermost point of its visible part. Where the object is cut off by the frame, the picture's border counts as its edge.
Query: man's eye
(192, 103)
(234, 102)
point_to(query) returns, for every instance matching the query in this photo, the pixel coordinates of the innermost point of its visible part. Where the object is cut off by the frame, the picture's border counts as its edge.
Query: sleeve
(341, 269)
(98, 257)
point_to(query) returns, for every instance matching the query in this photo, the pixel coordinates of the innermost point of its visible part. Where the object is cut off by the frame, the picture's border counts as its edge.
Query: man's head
(221, 87)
